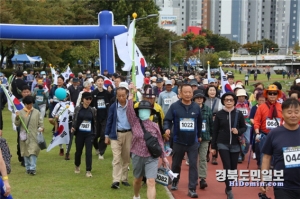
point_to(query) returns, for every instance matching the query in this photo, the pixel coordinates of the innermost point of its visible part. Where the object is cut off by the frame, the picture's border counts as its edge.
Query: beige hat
(241, 92)
(205, 81)
(124, 85)
(25, 72)
(191, 77)
(153, 79)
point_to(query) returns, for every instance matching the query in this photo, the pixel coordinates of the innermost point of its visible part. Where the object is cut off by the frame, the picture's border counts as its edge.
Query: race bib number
(85, 126)
(271, 123)
(39, 98)
(203, 125)
(167, 101)
(244, 111)
(187, 124)
(162, 179)
(291, 156)
(101, 103)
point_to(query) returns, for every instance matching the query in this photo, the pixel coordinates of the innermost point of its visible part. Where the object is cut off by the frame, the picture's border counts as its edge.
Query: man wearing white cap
(164, 99)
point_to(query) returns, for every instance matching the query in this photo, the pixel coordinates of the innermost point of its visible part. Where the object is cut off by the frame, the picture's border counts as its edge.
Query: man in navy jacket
(185, 116)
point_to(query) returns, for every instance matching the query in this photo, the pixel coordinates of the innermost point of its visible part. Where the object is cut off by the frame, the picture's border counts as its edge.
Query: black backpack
(152, 143)
(5, 154)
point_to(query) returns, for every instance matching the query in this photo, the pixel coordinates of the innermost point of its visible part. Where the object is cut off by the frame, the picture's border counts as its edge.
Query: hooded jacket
(223, 123)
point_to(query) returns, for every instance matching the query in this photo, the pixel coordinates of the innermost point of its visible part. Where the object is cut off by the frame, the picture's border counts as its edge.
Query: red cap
(71, 75)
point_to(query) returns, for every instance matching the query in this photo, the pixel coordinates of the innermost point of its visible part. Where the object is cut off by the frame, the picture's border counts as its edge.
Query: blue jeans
(30, 162)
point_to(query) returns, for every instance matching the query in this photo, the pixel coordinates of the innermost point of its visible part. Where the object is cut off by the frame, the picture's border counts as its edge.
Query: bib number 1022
(188, 124)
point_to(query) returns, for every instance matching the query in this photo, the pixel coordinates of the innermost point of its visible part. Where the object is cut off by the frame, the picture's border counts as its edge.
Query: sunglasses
(228, 100)
(272, 93)
(88, 98)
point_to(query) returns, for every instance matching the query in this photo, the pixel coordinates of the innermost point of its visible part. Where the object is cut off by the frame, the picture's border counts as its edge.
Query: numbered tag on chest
(187, 124)
(101, 103)
(167, 101)
(85, 126)
(272, 123)
(203, 125)
(244, 111)
(39, 98)
(291, 157)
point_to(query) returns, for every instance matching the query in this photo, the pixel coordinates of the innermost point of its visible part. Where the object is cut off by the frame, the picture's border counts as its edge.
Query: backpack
(5, 154)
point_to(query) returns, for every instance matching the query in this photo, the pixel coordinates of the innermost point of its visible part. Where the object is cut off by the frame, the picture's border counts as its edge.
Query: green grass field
(56, 178)
(286, 83)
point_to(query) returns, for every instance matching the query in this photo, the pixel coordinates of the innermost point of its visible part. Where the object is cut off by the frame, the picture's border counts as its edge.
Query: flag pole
(208, 70)
(14, 107)
(133, 70)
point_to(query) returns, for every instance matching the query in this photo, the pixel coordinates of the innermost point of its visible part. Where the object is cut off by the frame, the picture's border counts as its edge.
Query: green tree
(235, 45)
(213, 59)
(224, 55)
(219, 43)
(296, 46)
(267, 43)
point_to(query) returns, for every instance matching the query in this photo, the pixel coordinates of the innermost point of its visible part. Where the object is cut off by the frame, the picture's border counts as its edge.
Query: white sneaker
(77, 170)
(97, 151)
(254, 156)
(101, 157)
(187, 163)
(88, 174)
(136, 197)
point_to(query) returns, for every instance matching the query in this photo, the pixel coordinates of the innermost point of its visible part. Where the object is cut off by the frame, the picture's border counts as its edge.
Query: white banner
(123, 52)
(67, 73)
(61, 136)
(54, 76)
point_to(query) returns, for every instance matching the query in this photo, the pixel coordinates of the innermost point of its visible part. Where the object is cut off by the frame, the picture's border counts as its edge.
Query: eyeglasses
(272, 93)
(88, 98)
(228, 100)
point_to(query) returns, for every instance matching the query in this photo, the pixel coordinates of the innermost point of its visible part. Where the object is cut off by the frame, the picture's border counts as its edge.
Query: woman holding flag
(30, 122)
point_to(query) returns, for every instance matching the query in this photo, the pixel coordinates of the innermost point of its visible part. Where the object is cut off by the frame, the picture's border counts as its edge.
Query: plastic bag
(41, 141)
(23, 135)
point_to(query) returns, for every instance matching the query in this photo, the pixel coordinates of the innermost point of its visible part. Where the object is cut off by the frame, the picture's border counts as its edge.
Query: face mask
(144, 114)
(44, 76)
(40, 86)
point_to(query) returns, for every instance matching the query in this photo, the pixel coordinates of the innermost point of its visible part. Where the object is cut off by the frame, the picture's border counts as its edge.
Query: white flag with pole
(208, 70)
(224, 82)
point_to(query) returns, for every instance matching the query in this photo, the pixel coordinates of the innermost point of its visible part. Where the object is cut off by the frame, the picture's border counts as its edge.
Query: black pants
(230, 161)
(246, 83)
(178, 154)
(286, 193)
(20, 158)
(100, 143)
(71, 135)
(81, 140)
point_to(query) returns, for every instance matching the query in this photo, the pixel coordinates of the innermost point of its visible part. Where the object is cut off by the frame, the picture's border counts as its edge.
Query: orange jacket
(262, 114)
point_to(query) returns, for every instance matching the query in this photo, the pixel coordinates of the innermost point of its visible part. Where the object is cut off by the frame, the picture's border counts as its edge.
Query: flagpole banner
(122, 50)
(61, 136)
(131, 46)
(224, 82)
(54, 76)
(208, 72)
(141, 65)
(67, 73)
(13, 105)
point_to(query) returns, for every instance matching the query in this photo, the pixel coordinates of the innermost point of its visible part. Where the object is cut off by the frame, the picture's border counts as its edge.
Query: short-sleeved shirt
(276, 140)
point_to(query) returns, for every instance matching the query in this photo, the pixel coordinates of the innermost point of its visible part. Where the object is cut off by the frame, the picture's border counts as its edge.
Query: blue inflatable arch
(104, 32)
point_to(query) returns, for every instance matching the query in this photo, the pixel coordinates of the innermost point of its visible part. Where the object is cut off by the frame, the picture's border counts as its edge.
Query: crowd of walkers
(190, 115)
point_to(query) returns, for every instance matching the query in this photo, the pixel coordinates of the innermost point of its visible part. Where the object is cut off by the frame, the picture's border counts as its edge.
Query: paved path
(215, 189)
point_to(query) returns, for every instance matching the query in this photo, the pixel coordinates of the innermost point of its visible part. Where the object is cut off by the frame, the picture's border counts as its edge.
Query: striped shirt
(138, 145)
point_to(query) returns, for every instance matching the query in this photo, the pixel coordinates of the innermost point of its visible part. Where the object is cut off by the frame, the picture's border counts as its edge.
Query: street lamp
(170, 49)
(128, 24)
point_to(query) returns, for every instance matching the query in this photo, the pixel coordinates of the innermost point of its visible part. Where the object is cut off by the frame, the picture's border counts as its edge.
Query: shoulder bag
(151, 142)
